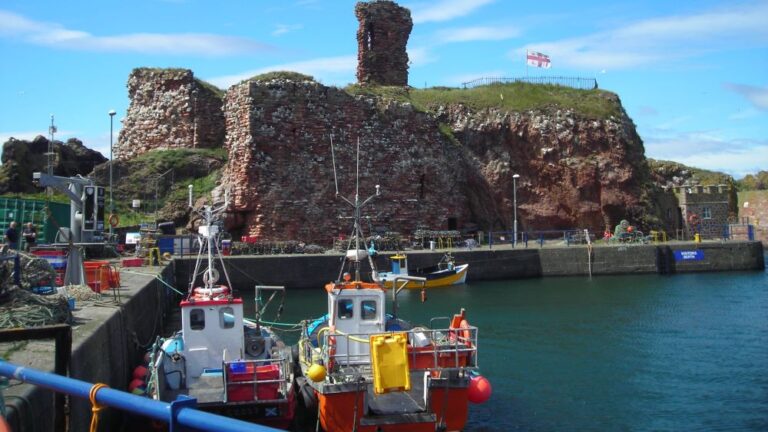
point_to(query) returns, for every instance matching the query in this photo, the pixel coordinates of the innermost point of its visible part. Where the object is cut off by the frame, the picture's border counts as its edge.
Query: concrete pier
(108, 341)
(504, 262)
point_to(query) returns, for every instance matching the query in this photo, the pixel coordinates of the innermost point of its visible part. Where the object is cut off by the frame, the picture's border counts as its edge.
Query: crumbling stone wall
(381, 41)
(280, 176)
(169, 109)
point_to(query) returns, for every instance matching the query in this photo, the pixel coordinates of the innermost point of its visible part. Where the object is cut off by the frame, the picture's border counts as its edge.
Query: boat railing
(428, 349)
(283, 380)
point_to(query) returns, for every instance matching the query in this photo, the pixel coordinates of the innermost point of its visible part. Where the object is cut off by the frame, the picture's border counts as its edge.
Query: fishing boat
(444, 273)
(231, 365)
(368, 370)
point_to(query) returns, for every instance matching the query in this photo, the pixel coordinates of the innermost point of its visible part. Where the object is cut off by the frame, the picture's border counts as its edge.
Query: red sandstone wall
(169, 109)
(382, 37)
(280, 175)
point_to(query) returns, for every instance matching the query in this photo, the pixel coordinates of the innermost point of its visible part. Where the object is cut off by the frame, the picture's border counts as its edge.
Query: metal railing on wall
(574, 82)
(179, 413)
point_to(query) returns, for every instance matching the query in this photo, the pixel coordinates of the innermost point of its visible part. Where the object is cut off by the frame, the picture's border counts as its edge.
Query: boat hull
(434, 280)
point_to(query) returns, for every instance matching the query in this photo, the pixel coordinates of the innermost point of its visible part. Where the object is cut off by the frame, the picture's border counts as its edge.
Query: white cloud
(55, 35)
(332, 70)
(660, 39)
(444, 10)
(482, 33)
(758, 96)
(710, 150)
(421, 56)
(22, 135)
(281, 29)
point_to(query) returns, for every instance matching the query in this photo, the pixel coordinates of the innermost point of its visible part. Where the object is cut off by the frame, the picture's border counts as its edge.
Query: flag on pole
(538, 59)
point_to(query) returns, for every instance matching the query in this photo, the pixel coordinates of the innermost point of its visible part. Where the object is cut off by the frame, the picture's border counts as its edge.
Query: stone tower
(381, 40)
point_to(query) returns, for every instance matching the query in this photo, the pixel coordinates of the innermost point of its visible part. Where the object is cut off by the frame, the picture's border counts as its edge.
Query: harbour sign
(694, 255)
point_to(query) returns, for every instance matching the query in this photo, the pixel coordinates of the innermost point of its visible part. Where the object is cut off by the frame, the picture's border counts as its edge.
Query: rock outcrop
(21, 158)
(574, 171)
(170, 109)
(382, 37)
(280, 173)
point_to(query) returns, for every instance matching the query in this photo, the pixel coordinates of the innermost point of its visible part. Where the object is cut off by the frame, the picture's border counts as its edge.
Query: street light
(111, 200)
(514, 195)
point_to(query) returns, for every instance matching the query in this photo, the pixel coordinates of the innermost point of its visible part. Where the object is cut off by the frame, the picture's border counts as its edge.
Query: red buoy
(140, 372)
(135, 384)
(479, 389)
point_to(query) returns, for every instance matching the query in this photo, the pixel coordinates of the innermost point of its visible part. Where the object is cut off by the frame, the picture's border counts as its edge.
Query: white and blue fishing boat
(232, 366)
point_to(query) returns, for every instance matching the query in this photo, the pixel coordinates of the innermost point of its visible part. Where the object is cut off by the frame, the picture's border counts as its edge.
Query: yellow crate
(389, 360)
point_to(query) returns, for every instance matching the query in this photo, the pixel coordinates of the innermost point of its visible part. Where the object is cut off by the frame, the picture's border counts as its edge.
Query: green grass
(752, 196)
(210, 87)
(697, 175)
(286, 75)
(163, 160)
(41, 196)
(511, 97)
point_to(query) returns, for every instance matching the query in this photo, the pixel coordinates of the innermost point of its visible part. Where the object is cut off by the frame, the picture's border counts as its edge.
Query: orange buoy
(479, 389)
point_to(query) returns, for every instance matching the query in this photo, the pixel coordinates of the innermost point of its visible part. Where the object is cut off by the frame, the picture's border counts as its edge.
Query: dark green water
(683, 352)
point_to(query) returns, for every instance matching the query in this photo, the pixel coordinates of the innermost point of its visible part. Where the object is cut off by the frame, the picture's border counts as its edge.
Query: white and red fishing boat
(368, 370)
(232, 366)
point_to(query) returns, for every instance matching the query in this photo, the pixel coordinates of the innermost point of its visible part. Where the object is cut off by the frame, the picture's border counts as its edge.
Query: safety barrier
(179, 413)
(565, 237)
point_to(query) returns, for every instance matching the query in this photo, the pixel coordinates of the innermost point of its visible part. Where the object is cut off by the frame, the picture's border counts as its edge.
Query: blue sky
(693, 75)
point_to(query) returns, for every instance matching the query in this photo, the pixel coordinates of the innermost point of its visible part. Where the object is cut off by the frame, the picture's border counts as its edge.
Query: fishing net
(35, 271)
(20, 308)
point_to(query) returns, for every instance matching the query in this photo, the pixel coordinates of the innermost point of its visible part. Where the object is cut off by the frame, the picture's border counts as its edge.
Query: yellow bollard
(697, 238)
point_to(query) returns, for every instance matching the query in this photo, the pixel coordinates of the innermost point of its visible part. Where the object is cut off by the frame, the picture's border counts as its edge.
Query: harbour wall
(311, 271)
(109, 339)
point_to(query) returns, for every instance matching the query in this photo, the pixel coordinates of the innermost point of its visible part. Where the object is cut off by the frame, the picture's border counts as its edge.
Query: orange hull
(337, 412)
(457, 410)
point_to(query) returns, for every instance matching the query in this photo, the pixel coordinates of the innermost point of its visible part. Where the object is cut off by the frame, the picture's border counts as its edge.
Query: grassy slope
(515, 97)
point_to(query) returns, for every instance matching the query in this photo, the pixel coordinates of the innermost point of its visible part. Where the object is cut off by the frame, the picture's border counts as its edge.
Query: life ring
(114, 220)
(221, 289)
(461, 334)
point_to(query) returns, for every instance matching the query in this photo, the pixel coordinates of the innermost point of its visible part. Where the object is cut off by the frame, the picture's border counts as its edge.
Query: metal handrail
(458, 347)
(180, 412)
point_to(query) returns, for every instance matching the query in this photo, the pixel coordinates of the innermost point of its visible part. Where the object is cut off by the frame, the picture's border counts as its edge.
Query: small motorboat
(445, 273)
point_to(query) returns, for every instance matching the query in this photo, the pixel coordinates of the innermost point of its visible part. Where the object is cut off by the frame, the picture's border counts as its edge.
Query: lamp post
(111, 200)
(514, 205)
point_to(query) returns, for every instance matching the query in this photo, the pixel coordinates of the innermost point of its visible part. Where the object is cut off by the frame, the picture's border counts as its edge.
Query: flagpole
(526, 65)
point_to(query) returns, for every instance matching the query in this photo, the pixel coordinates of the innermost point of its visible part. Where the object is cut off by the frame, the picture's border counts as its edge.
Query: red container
(133, 262)
(243, 392)
(97, 275)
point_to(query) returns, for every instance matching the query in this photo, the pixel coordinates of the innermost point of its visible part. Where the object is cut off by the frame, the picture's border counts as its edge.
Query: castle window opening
(706, 213)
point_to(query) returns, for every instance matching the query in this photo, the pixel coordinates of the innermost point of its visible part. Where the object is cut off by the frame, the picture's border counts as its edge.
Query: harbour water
(682, 352)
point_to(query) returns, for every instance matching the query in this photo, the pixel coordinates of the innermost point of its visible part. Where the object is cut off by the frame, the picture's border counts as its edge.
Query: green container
(24, 210)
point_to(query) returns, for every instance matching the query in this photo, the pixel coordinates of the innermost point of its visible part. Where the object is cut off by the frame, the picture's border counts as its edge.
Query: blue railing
(179, 413)
(566, 237)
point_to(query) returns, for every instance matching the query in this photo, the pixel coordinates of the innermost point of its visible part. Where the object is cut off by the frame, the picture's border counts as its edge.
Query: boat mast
(357, 205)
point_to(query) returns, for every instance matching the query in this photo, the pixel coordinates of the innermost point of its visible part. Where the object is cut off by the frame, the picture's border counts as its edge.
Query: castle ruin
(381, 41)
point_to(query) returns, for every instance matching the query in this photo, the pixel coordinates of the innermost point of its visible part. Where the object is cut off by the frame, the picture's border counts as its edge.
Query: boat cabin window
(368, 309)
(226, 318)
(345, 308)
(197, 319)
